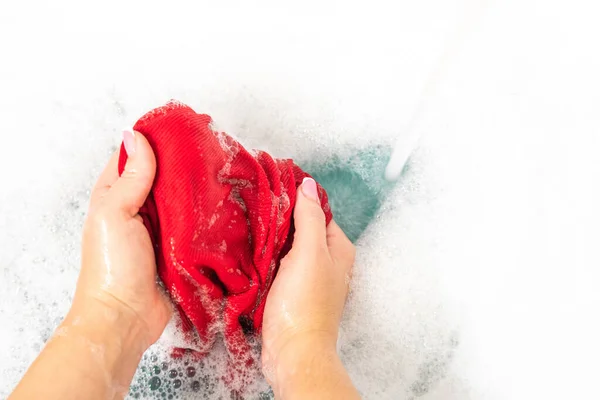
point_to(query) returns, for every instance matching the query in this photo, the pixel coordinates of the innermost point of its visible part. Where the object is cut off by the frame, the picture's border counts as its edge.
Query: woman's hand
(118, 263)
(304, 308)
(118, 309)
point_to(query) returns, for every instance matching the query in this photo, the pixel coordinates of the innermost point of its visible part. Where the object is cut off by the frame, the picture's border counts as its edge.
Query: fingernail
(309, 188)
(129, 141)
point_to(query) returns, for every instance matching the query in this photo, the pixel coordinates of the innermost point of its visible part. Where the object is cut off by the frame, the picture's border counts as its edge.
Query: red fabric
(220, 219)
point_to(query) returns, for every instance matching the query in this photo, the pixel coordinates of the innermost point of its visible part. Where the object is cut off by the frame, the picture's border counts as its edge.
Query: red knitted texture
(220, 219)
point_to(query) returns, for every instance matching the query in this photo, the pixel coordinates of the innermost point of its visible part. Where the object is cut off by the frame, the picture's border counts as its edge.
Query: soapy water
(355, 186)
(475, 277)
(160, 375)
(356, 190)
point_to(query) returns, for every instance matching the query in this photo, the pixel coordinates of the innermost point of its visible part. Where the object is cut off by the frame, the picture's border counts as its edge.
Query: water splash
(408, 141)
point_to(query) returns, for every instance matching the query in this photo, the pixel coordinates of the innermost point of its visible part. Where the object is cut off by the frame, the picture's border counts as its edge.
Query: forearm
(313, 372)
(93, 354)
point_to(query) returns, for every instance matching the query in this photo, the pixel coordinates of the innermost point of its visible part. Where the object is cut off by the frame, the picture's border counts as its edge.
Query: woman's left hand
(118, 310)
(118, 264)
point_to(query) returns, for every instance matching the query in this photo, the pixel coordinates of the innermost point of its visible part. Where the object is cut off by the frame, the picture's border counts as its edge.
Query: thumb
(130, 191)
(309, 218)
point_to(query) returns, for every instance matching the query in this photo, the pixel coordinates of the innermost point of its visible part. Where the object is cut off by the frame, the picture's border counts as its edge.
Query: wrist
(111, 337)
(304, 363)
(105, 319)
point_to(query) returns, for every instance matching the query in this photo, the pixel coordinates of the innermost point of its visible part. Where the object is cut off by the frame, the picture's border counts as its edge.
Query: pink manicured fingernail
(309, 188)
(129, 141)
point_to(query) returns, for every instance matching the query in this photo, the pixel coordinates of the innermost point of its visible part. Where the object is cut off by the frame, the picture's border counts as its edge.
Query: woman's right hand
(304, 307)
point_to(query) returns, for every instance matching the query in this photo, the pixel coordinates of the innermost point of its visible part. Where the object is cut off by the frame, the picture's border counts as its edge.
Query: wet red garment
(220, 219)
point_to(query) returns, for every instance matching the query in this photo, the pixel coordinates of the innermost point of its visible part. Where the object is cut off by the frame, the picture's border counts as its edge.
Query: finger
(107, 178)
(309, 218)
(340, 247)
(130, 191)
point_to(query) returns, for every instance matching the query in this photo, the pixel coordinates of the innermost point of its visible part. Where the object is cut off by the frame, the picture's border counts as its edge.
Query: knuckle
(136, 174)
(128, 173)
(101, 214)
(316, 215)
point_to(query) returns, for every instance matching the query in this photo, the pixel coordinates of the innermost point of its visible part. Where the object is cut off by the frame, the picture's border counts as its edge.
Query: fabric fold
(220, 220)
